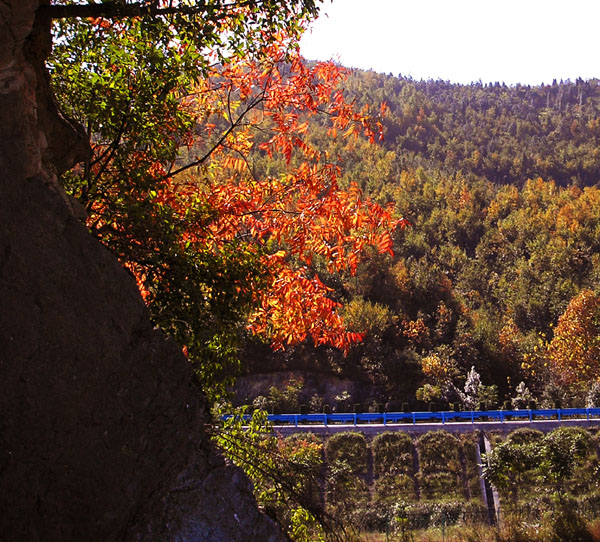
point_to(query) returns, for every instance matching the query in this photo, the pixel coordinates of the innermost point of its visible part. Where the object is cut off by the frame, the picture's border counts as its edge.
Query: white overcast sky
(511, 41)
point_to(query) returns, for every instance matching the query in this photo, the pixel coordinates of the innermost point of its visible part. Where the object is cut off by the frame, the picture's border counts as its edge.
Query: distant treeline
(506, 134)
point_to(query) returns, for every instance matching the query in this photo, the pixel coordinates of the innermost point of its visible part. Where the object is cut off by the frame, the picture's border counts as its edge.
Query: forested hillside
(505, 134)
(499, 268)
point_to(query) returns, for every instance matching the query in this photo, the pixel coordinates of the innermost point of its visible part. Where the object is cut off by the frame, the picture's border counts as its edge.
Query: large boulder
(101, 420)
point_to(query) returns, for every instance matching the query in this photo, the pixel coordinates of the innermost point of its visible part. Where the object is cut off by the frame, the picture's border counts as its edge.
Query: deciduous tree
(574, 351)
(213, 242)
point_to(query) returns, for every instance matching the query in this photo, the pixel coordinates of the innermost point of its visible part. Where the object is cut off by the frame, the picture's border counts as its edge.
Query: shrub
(342, 401)
(316, 403)
(347, 495)
(391, 488)
(563, 449)
(428, 393)
(304, 464)
(524, 435)
(286, 400)
(470, 396)
(488, 395)
(260, 403)
(392, 453)
(567, 524)
(516, 466)
(511, 467)
(438, 451)
(592, 399)
(439, 486)
(439, 464)
(554, 396)
(349, 448)
(426, 515)
(522, 396)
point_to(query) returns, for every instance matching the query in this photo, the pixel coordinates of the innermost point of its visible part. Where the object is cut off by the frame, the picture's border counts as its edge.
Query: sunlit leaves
(574, 351)
(302, 213)
(172, 187)
(286, 473)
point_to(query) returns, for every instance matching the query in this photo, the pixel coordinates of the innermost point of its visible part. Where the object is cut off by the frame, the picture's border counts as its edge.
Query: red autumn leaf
(385, 243)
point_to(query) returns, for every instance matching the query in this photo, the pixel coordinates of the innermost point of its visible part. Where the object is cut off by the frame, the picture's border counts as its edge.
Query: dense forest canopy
(500, 186)
(507, 134)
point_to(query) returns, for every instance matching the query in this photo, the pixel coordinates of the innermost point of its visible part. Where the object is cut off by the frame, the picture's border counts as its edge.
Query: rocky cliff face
(101, 422)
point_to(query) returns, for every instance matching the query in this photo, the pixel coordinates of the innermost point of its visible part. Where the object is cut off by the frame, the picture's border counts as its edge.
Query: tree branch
(108, 10)
(121, 10)
(221, 140)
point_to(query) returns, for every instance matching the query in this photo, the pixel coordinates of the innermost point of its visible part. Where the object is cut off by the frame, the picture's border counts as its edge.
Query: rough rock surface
(101, 422)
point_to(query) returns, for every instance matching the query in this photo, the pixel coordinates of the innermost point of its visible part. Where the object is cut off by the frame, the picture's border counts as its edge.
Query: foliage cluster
(480, 532)
(281, 401)
(386, 496)
(506, 134)
(174, 101)
(558, 461)
(349, 448)
(414, 516)
(392, 490)
(506, 287)
(286, 473)
(393, 468)
(439, 465)
(218, 183)
(540, 514)
(346, 490)
(392, 453)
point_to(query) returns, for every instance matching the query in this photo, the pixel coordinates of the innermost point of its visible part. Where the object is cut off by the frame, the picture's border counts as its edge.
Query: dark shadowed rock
(101, 421)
